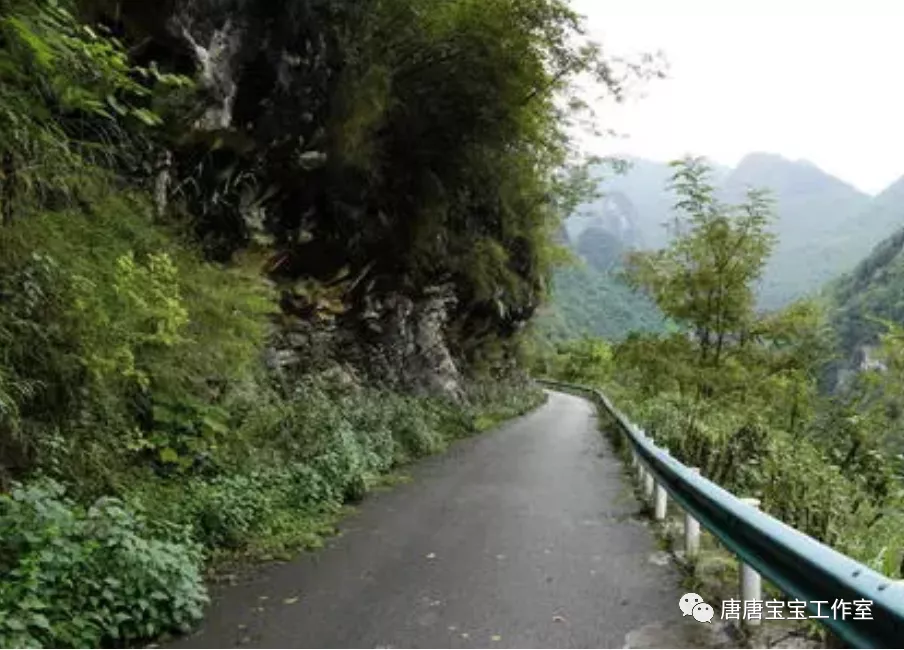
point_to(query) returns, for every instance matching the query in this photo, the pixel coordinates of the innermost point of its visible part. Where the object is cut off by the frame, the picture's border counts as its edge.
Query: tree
(585, 361)
(705, 279)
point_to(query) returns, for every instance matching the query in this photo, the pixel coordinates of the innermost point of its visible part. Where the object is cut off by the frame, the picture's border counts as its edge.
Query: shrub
(106, 321)
(492, 402)
(80, 577)
(414, 427)
(296, 461)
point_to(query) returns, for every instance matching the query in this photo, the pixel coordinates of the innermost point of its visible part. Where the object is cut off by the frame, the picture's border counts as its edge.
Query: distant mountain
(646, 187)
(591, 298)
(875, 287)
(642, 195)
(884, 214)
(824, 225)
(816, 224)
(810, 203)
(614, 213)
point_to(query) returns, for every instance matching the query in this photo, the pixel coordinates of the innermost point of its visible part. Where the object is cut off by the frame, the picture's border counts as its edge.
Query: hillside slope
(590, 297)
(586, 301)
(873, 290)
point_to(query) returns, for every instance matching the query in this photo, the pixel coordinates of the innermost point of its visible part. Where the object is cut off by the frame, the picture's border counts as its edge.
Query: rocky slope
(309, 138)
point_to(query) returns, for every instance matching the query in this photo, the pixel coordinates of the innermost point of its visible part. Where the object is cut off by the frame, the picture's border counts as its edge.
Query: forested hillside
(253, 256)
(866, 301)
(590, 296)
(587, 301)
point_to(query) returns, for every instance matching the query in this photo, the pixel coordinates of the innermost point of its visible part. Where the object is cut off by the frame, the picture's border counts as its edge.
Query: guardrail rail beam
(797, 564)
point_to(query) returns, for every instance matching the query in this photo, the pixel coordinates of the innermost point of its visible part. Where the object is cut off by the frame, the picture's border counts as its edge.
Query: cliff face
(397, 340)
(299, 141)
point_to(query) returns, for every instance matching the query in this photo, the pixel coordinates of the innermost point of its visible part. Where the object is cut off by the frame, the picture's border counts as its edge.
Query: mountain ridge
(825, 225)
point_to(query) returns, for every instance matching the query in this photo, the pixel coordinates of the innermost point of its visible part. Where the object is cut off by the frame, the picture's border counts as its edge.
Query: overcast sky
(817, 80)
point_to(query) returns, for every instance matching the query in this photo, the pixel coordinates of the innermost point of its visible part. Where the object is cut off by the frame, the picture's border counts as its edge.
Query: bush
(81, 577)
(300, 459)
(491, 402)
(104, 319)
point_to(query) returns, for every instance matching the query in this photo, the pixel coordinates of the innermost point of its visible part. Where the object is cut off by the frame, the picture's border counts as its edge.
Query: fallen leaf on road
(242, 626)
(431, 556)
(496, 637)
(452, 628)
(290, 601)
(558, 619)
(263, 597)
(465, 635)
(500, 557)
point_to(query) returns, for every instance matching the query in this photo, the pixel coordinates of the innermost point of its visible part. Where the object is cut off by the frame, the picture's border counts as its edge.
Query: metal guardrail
(799, 565)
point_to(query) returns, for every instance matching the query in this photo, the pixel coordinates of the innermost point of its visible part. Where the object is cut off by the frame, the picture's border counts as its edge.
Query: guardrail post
(691, 532)
(648, 484)
(660, 503)
(661, 500)
(751, 581)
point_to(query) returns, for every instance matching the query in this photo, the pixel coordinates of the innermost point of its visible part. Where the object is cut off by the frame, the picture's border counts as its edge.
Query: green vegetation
(74, 576)
(599, 303)
(736, 393)
(155, 244)
(869, 297)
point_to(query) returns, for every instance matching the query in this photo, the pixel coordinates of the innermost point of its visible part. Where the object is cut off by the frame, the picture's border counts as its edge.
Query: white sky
(802, 78)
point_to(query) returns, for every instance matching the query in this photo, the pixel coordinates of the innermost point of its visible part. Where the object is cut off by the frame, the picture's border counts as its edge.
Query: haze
(809, 80)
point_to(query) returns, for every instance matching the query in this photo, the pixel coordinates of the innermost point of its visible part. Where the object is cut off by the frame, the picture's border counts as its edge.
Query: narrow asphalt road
(526, 536)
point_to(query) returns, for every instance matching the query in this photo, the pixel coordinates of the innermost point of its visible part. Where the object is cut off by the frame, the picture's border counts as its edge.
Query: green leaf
(169, 455)
(14, 624)
(215, 425)
(147, 117)
(116, 105)
(40, 621)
